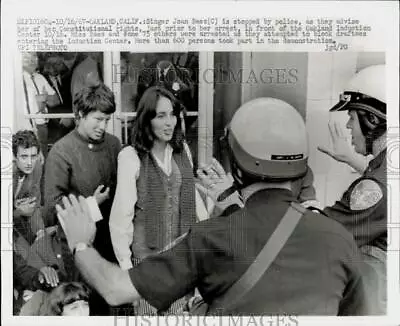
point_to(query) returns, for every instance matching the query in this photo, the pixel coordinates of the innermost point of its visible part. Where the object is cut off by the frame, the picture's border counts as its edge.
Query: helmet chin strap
(368, 143)
(371, 127)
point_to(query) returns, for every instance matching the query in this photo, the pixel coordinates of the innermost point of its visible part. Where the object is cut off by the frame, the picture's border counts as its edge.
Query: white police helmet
(366, 94)
(365, 91)
(268, 140)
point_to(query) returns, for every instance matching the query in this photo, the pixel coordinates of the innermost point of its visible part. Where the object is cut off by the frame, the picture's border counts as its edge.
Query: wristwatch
(80, 246)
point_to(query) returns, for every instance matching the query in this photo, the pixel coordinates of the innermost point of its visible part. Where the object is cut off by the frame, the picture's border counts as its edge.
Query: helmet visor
(344, 100)
(359, 101)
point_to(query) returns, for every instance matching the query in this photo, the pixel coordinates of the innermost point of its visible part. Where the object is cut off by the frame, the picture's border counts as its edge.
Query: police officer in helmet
(363, 207)
(316, 271)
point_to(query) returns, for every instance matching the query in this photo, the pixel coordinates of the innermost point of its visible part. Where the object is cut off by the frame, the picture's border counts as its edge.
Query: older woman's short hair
(96, 97)
(142, 137)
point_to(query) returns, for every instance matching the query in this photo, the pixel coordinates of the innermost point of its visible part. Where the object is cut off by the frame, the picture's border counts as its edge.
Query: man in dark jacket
(27, 178)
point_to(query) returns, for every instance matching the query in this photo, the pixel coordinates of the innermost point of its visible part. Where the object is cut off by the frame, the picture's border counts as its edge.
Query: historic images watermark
(259, 320)
(218, 75)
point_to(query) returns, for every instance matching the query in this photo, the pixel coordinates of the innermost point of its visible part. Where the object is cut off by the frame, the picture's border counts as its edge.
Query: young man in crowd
(27, 176)
(28, 225)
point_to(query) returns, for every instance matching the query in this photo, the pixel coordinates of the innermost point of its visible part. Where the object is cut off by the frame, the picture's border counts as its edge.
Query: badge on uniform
(365, 194)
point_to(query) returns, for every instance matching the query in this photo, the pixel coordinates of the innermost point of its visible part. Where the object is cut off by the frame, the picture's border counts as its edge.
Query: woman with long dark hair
(155, 197)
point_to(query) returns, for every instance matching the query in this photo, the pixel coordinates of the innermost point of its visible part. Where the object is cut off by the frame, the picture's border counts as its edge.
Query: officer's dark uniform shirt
(363, 207)
(317, 272)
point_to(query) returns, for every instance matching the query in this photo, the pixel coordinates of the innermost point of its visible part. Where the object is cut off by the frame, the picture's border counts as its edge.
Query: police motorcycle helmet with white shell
(267, 142)
(366, 94)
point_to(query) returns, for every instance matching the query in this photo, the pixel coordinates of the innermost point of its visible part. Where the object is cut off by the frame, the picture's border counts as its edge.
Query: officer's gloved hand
(217, 185)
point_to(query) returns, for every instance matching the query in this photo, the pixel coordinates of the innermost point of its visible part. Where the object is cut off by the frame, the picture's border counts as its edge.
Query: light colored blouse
(123, 208)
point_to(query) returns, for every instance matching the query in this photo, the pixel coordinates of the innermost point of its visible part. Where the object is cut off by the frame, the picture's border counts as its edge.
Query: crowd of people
(99, 228)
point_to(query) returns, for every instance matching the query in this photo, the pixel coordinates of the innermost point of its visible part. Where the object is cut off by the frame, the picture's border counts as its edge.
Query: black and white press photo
(192, 163)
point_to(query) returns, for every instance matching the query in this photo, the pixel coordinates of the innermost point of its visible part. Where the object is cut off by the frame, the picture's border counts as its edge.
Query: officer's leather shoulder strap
(262, 262)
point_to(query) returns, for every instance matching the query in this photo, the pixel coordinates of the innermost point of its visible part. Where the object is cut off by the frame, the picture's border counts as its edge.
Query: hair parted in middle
(143, 137)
